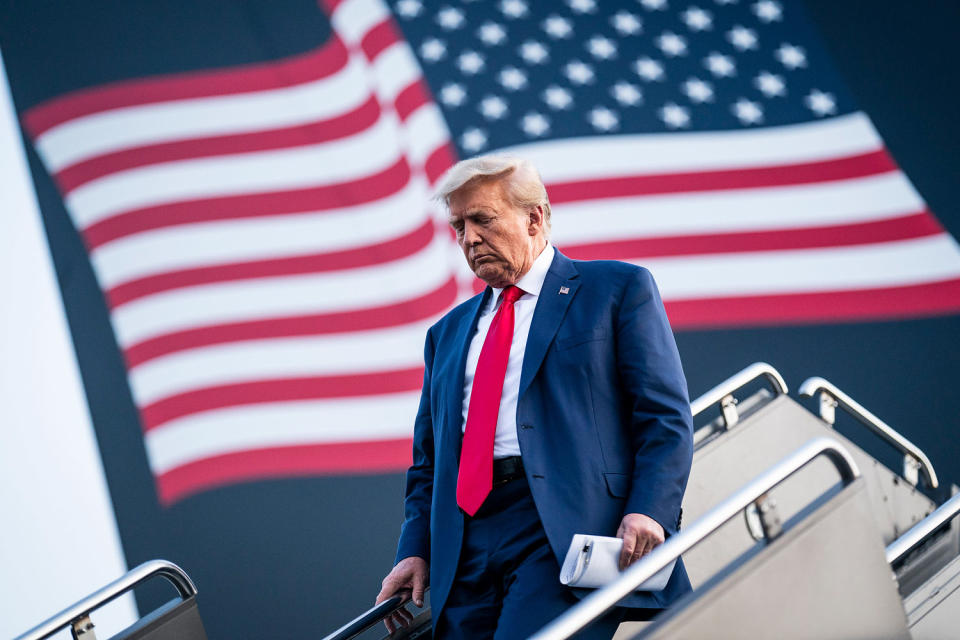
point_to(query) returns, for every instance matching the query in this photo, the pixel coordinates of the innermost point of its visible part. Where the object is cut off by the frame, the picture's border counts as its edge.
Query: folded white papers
(592, 562)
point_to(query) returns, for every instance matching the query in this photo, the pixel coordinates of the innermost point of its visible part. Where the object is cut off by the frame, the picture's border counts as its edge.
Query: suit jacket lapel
(551, 307)
(454, 392)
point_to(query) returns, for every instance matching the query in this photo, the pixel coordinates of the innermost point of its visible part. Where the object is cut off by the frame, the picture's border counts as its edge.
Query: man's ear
(535, 220)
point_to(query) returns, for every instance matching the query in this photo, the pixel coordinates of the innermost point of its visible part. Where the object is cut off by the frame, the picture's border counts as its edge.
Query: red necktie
(476, 457)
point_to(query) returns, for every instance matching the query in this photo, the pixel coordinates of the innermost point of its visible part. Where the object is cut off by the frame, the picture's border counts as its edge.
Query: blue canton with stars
(508, 72)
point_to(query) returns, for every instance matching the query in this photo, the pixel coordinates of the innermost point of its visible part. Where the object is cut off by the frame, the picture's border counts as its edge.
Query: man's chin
(492, 276)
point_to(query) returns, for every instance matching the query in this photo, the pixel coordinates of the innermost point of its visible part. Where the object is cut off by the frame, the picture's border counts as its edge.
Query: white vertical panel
(59, 538)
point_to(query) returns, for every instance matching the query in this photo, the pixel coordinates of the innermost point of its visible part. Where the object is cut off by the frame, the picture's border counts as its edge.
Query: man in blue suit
(553, 403)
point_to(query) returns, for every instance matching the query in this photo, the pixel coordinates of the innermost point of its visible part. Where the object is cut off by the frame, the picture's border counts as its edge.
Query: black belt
(507, 469)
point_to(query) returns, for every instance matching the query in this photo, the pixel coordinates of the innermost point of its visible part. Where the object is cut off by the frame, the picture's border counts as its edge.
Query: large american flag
(266, 246)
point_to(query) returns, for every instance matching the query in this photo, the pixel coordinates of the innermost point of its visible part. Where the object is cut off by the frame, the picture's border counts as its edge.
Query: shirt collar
(532, 280)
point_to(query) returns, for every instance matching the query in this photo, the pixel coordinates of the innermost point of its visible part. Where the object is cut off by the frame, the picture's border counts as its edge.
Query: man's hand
(640, 535)
(409, 578)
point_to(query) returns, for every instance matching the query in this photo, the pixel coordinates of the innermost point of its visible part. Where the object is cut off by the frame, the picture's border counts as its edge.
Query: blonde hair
(521, 181)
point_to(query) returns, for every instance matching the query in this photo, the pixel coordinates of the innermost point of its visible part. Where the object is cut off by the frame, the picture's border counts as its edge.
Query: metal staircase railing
(921, 531)
(722, 394)
(599, 602)
(77, 615)
(914, 460)
(369, 618)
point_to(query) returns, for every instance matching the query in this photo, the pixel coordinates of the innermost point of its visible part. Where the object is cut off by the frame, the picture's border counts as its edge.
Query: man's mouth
(484, 258)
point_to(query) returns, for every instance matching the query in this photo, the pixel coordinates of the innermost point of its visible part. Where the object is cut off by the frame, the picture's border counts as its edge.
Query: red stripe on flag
(909, 301)
(386, 251)
(345, 194)
(280, 390)
(412, 98)
(342, 126)
(379, 38)
(313, 65)
(859, 166)
(916, 225)
(330, 5)
(391, 315)
(439, 160)
(329, 458)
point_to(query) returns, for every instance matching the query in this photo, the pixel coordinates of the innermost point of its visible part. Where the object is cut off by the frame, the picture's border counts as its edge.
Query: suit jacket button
(526, 426)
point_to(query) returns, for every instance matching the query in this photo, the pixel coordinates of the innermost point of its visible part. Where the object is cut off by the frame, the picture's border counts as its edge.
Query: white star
(557, 97)
(697, 19)
(747, 111)
(450, 18)
(453, 94)
(535, 124)
(558, 27)
(534, 52)
(432, 49)
(470, 62)
(583, 6)
(720, 65)
(742, 38)
(493, 107)
(790, 56)
(626, 24)
(697, 90)
(821, 103)
(770, 84)
(626, 94)
(768, 11)
(602, 48)
(514, 8)
(603, 119)
(578, 72)
(512, 78)
(409, 8)
(674, 116)
(473, 139)
(648, 69)
(491, 33)
(672, 45)
(654, 5)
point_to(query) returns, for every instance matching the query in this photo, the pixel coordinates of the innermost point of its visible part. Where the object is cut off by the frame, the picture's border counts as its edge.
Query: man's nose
(471, 236)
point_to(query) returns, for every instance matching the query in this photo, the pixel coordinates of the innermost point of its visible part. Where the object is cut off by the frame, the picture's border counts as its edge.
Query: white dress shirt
(505, 441)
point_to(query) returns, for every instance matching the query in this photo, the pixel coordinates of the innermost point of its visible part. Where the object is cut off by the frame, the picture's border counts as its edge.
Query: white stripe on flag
(352, 19)
(314, 165)
(888, 264)
(349, 290)
(207, 244)
(394, 348)
(274, 424)
(611, 156)
(394, 70)
(93, 135)
(764, 208)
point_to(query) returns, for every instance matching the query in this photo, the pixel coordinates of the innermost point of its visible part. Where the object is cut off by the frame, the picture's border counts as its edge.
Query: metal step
(933, 610)
(767, 427)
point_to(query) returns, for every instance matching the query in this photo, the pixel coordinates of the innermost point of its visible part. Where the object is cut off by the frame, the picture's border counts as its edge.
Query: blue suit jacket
(603, 419)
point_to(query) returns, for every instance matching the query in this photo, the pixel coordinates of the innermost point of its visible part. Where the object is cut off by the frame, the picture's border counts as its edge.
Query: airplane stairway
(785, 551)
(749, 435)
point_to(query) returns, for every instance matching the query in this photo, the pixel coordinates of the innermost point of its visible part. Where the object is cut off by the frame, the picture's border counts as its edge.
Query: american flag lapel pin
(564, 290)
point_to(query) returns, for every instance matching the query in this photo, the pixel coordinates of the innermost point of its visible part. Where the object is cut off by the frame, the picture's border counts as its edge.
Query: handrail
(920, 531)
(913, 459)
(118, 587)
(723, 392)
(599, 602)
(368, 618)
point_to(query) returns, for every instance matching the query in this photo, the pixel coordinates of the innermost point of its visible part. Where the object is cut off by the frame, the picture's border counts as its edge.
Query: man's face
(499, 240)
